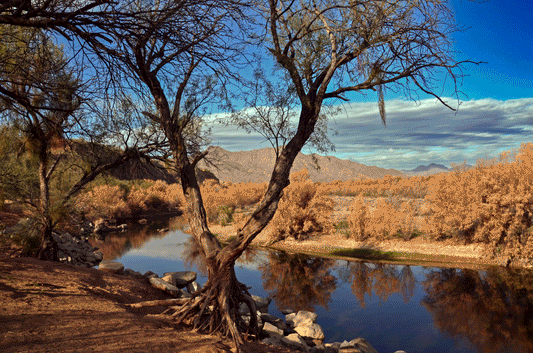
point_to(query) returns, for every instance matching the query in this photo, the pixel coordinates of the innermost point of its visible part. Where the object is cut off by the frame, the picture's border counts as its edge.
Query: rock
(289, 319)
(193, 287)
(363, 346)
(273, 341)
(261, 303)
(112, 266)
(165, 286)
(332, 347)
(150, 274)
(99, 226)
(185, 294)
(346, 344)
(304, 317)
(76, 250)
(260, 323)
(272, 330)
(133, 273)
(318, 349)
(276, 321)
(313, 331)
(286, 311)
(180, 279)
(294, 341)
(400, 352)
(243, 309)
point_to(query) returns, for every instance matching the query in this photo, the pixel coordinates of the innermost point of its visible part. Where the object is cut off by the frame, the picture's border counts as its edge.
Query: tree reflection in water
(194, 255)
(382, 279)
(492, 309)
(298, 282)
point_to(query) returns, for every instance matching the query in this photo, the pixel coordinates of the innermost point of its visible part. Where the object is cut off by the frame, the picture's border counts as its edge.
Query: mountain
(427, 169)
(256, 166)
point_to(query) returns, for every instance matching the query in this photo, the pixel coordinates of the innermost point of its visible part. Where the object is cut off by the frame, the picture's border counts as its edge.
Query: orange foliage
(491, 203)
(302, 211)
(221, 199)
(121, 201)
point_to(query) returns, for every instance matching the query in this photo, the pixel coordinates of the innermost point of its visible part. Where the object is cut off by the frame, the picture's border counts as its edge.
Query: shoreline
(412, 252)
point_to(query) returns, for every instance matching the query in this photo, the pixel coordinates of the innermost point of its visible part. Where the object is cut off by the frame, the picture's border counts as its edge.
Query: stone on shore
(150, 274)
(112, 266)
(261, 303)
(274, 320)
(76, 250)
(260, 323)
(166, 287)
(358, 345)
(132, 273)
(312, 331)
(272, 330)
(193, 287)
(294, 341)
(289, 319)
(304, 317)
(180, 279)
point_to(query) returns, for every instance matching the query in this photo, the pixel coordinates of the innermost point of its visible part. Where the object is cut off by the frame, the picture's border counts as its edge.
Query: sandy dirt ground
(53, 307)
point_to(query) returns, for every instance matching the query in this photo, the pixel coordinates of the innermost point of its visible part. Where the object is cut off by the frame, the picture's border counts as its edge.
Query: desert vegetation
(490, 203)
(181, 61)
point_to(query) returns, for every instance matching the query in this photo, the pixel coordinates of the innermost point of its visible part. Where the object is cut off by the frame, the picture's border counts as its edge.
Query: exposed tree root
(214, 310)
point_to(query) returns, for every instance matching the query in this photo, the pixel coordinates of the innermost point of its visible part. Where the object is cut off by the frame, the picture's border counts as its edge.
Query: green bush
(225, 215)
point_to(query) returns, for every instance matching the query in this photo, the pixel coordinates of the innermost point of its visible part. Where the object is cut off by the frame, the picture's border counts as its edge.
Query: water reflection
(443, 309)
(115, 245)
(194, 256)
(298, 282)
(381, 279)
(492, 309)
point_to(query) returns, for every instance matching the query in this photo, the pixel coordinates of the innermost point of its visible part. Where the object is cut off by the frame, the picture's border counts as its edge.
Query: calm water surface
(413, 308)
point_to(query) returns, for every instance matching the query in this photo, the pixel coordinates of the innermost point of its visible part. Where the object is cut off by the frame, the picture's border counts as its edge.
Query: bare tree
(177, 52)
(326, 49)
(43, 97)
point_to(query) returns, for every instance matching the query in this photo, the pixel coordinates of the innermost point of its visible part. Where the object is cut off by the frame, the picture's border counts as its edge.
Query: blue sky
(496, 113)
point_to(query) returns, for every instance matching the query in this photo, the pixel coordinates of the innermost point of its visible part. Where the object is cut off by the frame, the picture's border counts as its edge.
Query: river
(412, 308)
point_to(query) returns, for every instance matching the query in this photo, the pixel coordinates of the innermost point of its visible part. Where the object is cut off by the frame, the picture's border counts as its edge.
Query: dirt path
(53, 307)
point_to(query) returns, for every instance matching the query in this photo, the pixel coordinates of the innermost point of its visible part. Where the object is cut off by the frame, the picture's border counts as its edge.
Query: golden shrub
(220, 198)
(302, 211)
(104, 201)
(129, 199)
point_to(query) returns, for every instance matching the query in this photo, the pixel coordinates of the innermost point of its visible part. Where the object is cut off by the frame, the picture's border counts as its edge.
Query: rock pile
(76, 250)
(299, 331)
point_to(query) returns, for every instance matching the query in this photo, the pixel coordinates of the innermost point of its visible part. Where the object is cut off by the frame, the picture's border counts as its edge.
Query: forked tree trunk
(216, 307)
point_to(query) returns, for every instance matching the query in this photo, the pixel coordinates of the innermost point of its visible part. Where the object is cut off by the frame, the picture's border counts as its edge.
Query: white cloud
(416, 133)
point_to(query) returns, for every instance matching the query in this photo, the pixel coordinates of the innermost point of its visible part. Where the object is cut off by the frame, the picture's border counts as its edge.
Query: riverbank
(417, 251)
(49, 306)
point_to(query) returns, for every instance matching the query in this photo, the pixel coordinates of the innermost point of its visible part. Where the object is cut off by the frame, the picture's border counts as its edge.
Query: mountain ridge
(256, 166)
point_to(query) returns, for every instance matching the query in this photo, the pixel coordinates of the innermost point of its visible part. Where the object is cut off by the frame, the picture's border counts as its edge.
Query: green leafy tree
(41, 95)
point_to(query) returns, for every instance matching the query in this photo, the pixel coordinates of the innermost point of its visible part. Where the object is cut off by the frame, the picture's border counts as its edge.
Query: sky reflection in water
(413, 308)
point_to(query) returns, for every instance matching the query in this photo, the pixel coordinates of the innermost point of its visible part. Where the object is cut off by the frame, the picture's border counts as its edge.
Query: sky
(495, 114)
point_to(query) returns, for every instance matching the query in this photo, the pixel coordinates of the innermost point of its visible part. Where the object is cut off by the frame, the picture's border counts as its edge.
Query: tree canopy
(176, 57)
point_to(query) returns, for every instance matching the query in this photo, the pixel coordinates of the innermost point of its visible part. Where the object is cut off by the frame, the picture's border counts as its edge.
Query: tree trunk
(216, 308)
(48, 247)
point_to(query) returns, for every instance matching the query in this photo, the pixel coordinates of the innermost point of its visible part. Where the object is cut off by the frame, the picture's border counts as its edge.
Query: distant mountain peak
(426, 168)
(256, 166)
